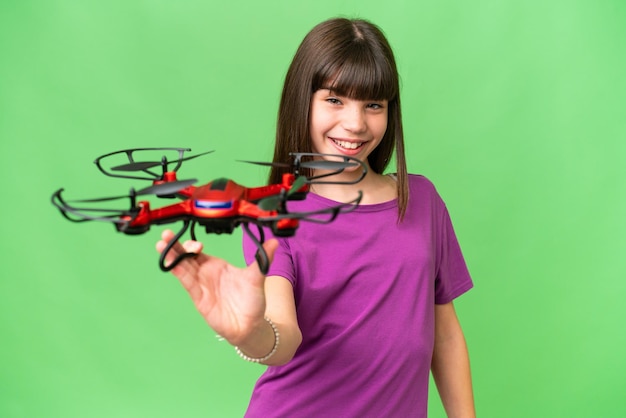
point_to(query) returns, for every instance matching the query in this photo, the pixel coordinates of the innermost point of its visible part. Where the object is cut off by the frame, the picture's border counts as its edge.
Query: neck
(376, 188)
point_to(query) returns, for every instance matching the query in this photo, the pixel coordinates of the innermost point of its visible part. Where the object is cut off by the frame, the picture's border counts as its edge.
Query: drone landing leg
(192, 231)
(260, 256)
(169, 247)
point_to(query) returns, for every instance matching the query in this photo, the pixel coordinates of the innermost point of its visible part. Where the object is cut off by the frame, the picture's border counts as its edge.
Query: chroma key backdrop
(515, 110)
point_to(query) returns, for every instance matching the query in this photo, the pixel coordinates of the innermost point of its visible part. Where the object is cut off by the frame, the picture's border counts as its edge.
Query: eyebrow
(338, 93)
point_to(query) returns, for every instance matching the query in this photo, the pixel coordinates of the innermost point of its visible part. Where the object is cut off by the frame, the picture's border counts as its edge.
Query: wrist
(275, 334)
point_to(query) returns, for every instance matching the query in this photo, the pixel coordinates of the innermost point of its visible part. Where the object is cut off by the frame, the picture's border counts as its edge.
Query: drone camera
(226, 226)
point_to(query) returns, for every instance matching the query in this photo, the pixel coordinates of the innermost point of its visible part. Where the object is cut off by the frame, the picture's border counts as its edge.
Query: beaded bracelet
(271, 353)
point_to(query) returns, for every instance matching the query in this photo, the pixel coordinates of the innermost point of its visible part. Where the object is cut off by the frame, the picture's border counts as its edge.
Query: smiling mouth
(347, 144)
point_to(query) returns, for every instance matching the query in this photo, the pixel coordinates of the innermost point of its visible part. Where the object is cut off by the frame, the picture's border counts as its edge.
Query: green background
(515, 110)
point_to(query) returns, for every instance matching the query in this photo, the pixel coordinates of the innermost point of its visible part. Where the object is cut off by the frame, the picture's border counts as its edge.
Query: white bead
(271, 353)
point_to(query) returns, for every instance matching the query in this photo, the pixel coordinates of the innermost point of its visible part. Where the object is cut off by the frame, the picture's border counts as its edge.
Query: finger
(193, 246)
(187, 269)
(269, 247)
(187, 249)
(160, 246)
(166, 237)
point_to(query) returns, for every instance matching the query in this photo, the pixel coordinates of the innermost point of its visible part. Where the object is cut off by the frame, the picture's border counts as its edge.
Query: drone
(220, 206)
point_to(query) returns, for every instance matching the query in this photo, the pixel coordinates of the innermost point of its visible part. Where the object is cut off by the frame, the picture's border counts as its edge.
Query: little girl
(352, 316)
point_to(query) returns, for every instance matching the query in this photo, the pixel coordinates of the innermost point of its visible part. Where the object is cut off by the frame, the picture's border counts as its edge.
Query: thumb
(270, 247)
(265, 257)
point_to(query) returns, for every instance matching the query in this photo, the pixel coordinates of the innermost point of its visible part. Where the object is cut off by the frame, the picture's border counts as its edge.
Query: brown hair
(354, 56)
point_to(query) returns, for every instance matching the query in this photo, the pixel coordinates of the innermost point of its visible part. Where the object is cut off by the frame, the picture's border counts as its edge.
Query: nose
(354, 119)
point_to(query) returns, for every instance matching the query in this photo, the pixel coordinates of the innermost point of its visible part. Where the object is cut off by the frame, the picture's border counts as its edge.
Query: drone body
(219, 206)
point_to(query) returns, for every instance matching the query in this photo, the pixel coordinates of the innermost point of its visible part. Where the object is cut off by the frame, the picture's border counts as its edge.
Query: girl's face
(340, 125)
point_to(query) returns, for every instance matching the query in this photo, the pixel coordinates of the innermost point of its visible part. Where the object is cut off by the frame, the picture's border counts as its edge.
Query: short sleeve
(453, 278)
(282, 265)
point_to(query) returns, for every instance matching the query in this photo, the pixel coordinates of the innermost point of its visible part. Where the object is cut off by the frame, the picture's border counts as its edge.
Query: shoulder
(422, 191)
(421, 183)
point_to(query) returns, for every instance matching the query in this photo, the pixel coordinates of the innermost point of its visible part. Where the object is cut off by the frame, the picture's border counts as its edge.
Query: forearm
(451, 366)
(280, 309)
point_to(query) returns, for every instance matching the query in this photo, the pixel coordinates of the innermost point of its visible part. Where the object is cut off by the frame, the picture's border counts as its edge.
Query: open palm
(230, 299)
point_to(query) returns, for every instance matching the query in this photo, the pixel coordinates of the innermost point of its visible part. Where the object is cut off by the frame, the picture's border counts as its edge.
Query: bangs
(360, 74)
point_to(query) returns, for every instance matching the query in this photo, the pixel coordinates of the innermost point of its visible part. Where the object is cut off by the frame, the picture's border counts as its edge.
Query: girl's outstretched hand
(231, 299)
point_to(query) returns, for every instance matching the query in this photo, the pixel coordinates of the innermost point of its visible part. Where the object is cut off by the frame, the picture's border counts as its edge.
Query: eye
(333, 100)
(375, 106)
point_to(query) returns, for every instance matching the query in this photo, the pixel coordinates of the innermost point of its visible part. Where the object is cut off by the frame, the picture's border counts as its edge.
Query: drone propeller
(315, 164)
(322, 216)
(328, 165)
(138, 166)
(78, 214)
(144, 165)
(168, 188)
(162, 189)
(267, 164)
(275, 202)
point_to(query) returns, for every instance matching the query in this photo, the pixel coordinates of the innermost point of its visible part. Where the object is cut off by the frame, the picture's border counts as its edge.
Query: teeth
(348, 145)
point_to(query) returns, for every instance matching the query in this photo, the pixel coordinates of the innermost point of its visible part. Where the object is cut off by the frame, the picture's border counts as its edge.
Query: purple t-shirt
(365, 289)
